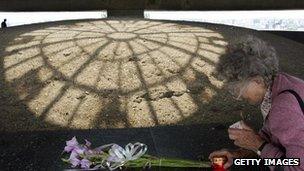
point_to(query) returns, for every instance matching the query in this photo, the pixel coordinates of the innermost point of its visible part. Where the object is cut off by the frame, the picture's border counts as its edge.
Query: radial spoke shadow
(114, 73)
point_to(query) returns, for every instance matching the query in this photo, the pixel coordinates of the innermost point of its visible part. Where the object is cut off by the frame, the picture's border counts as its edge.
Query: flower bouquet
(113, 156)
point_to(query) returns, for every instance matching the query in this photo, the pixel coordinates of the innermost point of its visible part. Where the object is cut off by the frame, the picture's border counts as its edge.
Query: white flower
(118, 156)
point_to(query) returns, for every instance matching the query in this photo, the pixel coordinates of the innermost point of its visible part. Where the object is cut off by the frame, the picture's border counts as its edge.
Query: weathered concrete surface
(293, 35)
(31, 151)
(81, 5)
(121, 73)
(36, 59)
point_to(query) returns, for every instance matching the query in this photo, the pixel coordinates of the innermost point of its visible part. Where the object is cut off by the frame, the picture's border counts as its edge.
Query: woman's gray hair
(248, 57)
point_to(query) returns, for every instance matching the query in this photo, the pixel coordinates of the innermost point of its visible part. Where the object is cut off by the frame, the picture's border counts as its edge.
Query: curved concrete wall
(82, 5)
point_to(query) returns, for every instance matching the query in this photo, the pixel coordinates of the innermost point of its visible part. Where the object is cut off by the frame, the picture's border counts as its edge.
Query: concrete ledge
(41, 150)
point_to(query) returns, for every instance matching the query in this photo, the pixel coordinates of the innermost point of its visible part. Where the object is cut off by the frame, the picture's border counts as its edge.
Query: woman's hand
(246, 138)
(223, 153)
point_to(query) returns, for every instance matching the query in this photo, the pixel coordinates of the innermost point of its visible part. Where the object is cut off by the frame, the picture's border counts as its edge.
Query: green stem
(148, 160)
(166, 162)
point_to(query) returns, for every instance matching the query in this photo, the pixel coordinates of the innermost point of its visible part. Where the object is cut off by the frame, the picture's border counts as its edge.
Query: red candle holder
(218, 163)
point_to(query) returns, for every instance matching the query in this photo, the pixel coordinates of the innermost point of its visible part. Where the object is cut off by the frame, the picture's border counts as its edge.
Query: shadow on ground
(111, 74)
(150, 80)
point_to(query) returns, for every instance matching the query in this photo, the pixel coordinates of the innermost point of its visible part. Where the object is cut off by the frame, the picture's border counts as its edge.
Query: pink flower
(85, 163)
(71, 145)
(88, 143)
(74, 159)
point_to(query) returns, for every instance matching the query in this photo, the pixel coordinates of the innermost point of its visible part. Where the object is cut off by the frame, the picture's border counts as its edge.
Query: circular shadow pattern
(114, 73)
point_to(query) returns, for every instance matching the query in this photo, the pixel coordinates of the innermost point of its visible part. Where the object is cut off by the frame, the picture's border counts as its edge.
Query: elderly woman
(250, 69)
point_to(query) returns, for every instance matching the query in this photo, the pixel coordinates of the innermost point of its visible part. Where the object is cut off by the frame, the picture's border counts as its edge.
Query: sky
(288, 20)
(22, 18)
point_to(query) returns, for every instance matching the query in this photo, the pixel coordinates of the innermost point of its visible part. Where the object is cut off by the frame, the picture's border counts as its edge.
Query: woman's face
(254, 93)
(251, 90)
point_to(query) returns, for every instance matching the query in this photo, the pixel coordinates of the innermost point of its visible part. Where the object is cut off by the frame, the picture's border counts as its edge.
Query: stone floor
(119, 80)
